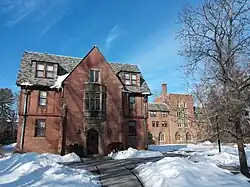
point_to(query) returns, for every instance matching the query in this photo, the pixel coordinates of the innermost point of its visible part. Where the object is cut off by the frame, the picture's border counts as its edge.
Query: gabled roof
(159, 107)
(65, 64)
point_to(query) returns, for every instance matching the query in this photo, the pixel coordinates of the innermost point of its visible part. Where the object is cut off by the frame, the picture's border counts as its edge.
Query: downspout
(145, 100)
(26, 93)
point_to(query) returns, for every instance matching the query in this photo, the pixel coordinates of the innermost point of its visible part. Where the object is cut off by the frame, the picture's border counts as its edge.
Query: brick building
(177, 112)
(80, 104)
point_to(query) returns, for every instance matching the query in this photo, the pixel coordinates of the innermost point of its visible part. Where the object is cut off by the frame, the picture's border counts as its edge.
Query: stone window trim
(40, 128)
(95, 76)
(94, 100)
(43, 98)
(44, 70)
(132, 128)
(130, 78)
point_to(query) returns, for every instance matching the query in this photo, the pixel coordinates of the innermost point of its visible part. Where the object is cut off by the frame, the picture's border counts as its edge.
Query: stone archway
(92, 142)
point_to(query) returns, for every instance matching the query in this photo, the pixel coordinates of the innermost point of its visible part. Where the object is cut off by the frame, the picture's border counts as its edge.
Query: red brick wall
(51, 113)
(113, 129)
(155, 131)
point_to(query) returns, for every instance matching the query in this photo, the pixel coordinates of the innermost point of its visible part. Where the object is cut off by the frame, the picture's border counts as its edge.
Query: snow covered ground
(206, 151)
(7, 150)
(181, 172)
(32, 169)
(134, 153)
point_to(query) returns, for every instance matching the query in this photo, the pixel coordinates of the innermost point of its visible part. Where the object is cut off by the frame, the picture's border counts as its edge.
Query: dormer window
(130, 78)
(94, 76)
(44, 70)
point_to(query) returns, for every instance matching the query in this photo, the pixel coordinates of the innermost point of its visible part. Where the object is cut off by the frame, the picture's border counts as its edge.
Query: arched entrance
(92, 142)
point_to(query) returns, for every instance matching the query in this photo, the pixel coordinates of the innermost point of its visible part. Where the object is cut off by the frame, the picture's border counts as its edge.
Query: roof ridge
(52, 54)
(121, 63)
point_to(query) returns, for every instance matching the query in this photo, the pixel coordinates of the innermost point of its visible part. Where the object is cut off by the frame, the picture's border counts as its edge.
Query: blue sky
(138, 32)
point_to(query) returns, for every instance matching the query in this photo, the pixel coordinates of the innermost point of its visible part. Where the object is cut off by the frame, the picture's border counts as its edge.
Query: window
(44, 70)
(164, 114)
(189, 136)
(94, 76)
(153, 123)
(40, 128)
(133, 79)
(157, 123)
(177, 136)
(93, 101)
(164, 124)
(179, 123)
(132, 128)
(130, 79)
(152, 114)
(185, 105)
(131, 104)
(179, 114)
(162, 137)
(42, 98)
(185, 123)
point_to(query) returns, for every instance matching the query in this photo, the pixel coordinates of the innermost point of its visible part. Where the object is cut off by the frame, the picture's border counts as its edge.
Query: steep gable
(65, 65)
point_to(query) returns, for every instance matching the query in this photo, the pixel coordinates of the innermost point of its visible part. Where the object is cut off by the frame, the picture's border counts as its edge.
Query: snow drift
(32, 169)
(134, 153)
(174, 171)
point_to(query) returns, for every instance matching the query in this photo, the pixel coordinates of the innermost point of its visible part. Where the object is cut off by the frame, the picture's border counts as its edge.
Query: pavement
(122, 173)
(114, 173)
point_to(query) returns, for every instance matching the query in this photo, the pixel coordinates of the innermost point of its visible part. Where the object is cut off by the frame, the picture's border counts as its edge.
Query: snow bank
(71, 157)
(134, 153)
(7, 150)
(60, 79)
(32, 169)
(174, 171)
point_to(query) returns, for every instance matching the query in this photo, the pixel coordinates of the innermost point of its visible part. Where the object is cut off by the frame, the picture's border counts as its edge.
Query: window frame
(36, 134)
(94, 76)
(94, 99)
(164, 114)
(164, 124)
(129, 80)
(178, 135)
(40, 97)
(153, 114)
(132, 106)
(134, 133)
(44, 71)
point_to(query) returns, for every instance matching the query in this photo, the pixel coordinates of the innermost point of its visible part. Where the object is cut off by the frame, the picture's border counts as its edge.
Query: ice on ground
(174, 171)
(59, 80)
(32, 169)
(134, 153)
(71, 157)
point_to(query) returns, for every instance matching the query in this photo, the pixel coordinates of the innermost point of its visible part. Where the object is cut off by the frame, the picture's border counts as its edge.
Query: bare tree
(216, 43)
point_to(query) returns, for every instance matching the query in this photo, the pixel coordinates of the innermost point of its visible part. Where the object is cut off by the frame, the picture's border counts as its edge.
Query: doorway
(92, 142)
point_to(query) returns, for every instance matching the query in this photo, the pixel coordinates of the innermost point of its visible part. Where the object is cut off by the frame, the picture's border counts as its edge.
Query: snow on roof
(59, 81)
(26, 84)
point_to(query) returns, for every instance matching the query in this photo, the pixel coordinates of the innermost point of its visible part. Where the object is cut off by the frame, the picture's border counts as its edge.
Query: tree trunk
(242, 154)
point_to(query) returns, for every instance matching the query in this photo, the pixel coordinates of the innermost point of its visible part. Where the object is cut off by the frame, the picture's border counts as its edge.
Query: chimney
(164, 88)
